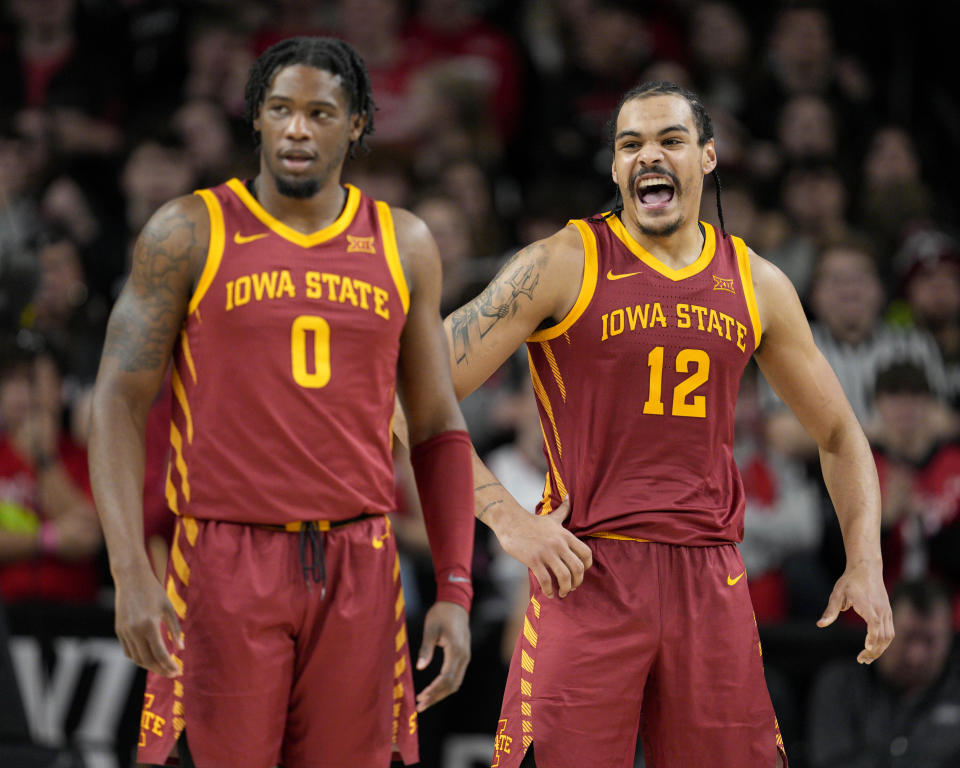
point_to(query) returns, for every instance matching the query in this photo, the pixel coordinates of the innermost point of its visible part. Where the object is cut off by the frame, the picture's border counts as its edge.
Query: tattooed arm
(539, 284)
(167, 258)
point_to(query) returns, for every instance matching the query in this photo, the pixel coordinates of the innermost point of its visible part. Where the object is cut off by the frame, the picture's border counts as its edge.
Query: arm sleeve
(443, 469)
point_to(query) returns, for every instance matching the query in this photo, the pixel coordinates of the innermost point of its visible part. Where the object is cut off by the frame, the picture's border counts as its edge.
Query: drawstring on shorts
(315, 568)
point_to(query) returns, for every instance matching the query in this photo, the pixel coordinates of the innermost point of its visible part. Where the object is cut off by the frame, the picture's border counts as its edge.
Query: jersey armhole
(392, 253)
(746, 280)
(587, 286)
(214, 249)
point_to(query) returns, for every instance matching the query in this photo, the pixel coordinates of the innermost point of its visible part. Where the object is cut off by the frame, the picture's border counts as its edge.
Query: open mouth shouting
(655, 191)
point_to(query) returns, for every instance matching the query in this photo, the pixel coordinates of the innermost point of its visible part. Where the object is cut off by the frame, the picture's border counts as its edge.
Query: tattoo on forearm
(142, 326)
(483, 511)
(485, 485)
(499, 300)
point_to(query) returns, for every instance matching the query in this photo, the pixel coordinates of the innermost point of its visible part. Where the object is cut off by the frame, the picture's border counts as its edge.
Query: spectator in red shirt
(49, 534)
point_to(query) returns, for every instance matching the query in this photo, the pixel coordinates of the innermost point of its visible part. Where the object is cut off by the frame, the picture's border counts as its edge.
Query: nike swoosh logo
(612, 276)
(732, 581)
(241, 239)
(457, 579)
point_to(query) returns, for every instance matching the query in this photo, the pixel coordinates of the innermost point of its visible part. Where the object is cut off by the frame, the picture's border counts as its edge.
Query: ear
(256, 119)
(357, 124)
(709, 157)
(613, 172)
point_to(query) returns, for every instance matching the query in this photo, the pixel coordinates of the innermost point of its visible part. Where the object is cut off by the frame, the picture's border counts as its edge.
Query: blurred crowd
(833, 145)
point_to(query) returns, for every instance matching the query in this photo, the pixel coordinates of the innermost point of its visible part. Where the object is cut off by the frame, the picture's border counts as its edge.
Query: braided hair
(700, 117)
(327, 53)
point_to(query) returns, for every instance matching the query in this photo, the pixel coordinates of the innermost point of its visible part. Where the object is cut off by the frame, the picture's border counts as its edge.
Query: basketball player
(294, 308)
(638, 325)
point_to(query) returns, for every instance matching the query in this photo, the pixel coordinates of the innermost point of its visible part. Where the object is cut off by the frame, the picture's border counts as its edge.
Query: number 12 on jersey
(696, 362)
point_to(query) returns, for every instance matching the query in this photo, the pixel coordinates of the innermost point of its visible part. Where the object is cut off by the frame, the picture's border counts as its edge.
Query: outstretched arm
(440, 455)
(140, 336)
(803, 379)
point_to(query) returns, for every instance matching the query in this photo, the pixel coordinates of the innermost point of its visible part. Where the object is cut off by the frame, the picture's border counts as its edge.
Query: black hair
(327, 53)
(700, 117)
(901, 378)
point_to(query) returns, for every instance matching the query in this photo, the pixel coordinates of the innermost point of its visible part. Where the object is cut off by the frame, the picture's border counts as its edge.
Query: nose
(297, 126)
(650, 153)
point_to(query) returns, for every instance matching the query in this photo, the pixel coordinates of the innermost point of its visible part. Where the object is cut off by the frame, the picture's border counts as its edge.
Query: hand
(142, 607)
(446, 625)
(861, 588)
(542, 544)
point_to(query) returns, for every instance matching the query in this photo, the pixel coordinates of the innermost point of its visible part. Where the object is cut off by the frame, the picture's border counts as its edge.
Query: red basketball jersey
(285, 369)
(637, 388)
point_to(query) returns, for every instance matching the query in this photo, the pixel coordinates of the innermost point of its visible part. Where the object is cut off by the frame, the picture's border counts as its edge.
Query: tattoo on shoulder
(499, 300)
(146, 321)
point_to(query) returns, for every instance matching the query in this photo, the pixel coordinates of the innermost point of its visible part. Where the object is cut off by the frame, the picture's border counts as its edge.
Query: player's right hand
(548, 549)
(142, 610)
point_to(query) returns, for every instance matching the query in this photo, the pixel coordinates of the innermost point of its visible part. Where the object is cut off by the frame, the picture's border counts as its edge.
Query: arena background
(835, 121)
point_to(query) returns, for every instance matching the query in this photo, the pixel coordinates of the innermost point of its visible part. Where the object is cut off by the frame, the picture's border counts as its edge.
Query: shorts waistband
(615, 536)
(319, 525)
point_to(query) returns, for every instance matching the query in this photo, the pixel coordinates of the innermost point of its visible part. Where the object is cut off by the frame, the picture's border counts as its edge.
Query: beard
(303, 188)
(299, 189)
(664, 230)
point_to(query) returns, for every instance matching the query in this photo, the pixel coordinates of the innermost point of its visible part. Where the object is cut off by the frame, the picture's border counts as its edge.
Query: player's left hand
(861, 588)
(447, 625)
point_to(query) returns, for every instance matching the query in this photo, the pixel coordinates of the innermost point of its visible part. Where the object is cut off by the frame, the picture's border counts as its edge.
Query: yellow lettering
(701, 311)
(242, 291)
(741, 332)
(229, 295)
(727, 322)
(380, 299)
(332, 282)
(346, 292)
(314, 288)
(616, 322)
(286, 285)
(637, 314)
(658, 317)
(365, 288)
(158, 723)
(603, 336)
(263, 283)
(683, 315)
(714, 323)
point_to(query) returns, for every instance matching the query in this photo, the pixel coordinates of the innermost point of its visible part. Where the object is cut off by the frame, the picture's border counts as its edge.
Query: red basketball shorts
(660, 640)
(273, 673)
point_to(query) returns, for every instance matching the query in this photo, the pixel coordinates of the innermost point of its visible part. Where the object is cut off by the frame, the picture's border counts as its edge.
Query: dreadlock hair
(700, 117)
(327, 53)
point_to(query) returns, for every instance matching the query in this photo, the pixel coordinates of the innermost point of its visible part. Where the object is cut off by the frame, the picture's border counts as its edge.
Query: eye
(277, 109)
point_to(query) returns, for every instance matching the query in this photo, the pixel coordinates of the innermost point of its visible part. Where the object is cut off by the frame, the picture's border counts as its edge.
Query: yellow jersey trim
(615, 536)
(289, 233)
(392, 253)
(587, 287)
(746, 279)
(701, 263)
(214, 249)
